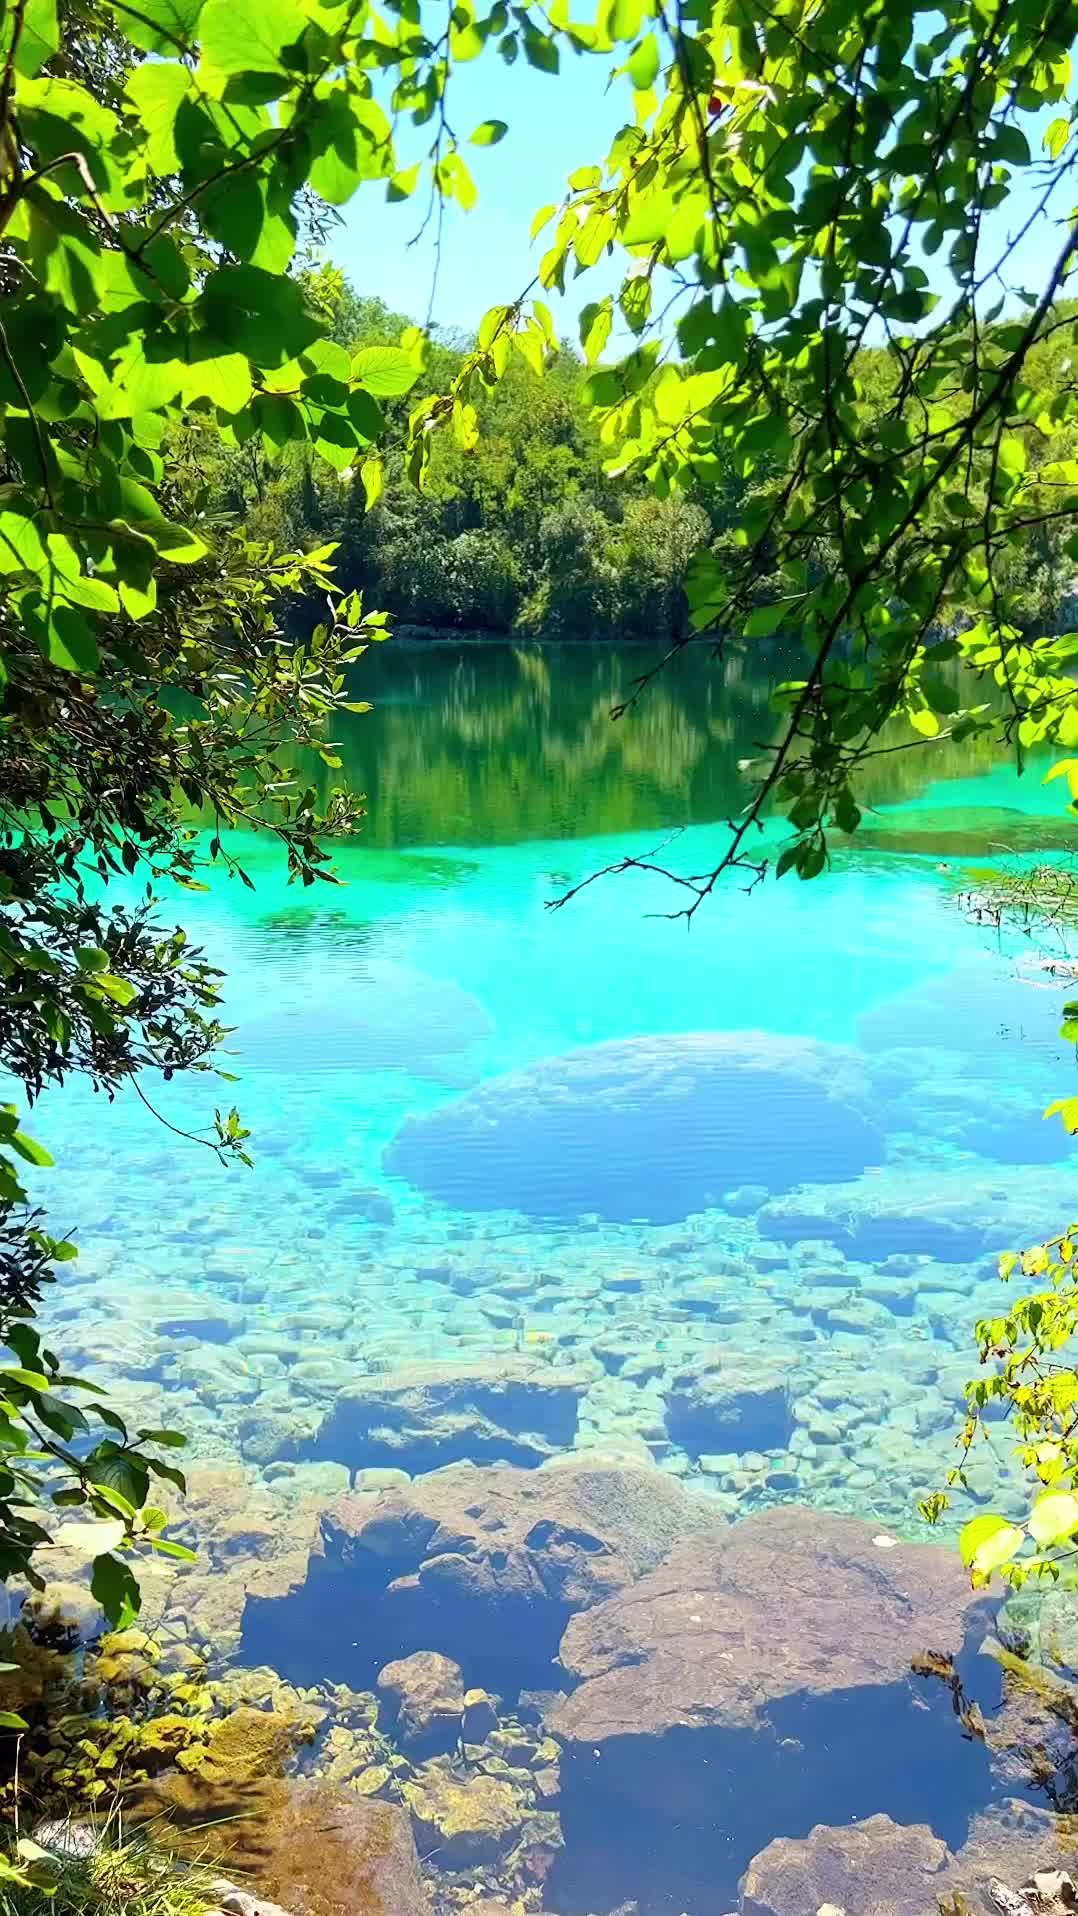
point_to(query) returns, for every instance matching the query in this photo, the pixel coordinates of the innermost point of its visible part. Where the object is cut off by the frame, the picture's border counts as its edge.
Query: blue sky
(555, 124)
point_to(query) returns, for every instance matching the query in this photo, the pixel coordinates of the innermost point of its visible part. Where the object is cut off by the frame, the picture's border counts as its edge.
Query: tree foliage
(788, 173)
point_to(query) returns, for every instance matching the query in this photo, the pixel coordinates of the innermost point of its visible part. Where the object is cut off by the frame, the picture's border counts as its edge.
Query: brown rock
(717, 1406)
(423, 1701)
(881, 1868)
(770, 1666)
(874, 1868)
(1031, 1733)
(489, 1564)
(1010, 1842)
(339, 1854)
(506, 1410)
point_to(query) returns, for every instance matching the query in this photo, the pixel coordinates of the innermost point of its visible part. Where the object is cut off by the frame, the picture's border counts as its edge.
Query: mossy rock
(467, 1820)
(238, 1786)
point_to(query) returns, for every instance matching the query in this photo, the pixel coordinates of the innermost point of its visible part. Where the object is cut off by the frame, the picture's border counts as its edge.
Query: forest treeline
(524, 533)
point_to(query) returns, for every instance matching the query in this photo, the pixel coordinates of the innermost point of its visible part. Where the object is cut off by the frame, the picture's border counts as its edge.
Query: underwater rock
(213, 1320)
(248, 1538)
(970, 1008)
(269, 1438)
(507, 1410)
(872, 1868)
(464, 1819)
(423, 1700)
(486, 1564)
(757, 1669)
(954, 1215)
(1031, 1732)
(650, 1128)
(718, 1405)
(395, 1018)
(335, 1853)
(1011, 1841)
(881, 1868)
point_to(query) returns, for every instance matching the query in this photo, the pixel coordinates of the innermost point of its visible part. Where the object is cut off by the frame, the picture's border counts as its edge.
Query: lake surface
(795, 1133)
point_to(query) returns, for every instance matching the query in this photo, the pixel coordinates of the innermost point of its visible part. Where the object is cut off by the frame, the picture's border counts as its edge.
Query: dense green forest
(521, 532)
(524, 531)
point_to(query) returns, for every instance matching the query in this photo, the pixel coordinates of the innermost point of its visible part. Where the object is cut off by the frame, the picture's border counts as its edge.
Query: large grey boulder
(647, 1127)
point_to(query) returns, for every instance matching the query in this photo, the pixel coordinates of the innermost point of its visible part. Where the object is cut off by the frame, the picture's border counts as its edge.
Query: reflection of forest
(490, 743)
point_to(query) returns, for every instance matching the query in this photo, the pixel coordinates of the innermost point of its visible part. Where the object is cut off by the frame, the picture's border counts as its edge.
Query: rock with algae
(462, 1818)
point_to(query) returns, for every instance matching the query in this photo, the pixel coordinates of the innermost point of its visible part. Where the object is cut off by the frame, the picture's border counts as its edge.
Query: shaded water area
(628, 1232)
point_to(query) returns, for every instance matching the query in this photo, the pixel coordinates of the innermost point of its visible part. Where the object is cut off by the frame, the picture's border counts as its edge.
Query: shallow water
(415, 1197)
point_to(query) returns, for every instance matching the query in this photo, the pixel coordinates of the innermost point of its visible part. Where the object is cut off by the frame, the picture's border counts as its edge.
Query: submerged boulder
(335, 1853)
(652, 1127)
(464, 1820)
(873, 1868)
(719, 1405)
(486, 1564)
(422, 1700)
(955, 1215)
(762, 1677)
(504, 1410)
(881, 1868)
(393, 1018)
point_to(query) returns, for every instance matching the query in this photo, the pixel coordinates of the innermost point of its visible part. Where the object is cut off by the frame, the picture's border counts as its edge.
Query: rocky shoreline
(577, 1685)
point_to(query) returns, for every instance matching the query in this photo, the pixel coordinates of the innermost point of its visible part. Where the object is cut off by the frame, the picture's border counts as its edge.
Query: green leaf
(987, 1543)
(372, 474)
(115, 1589)
(39, 40)
(1054, 1518)
(29, 1149)
(250, 36)
(93, 1537)
(763, 620)
(121, 1473)
(9, 1720)
(489, 132)
(63, 635)
(387, 371)
(260, 314)
(595, 323)
(160, 26)
(644, 63)
(158, 90)
(120, 990)
(540, 50)
(164, 1547)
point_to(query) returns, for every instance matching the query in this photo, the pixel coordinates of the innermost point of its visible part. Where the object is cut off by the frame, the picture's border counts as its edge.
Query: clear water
(495, 780)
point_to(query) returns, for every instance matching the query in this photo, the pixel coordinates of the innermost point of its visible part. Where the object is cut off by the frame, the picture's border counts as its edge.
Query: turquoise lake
(495, 780)
(795, 1133)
